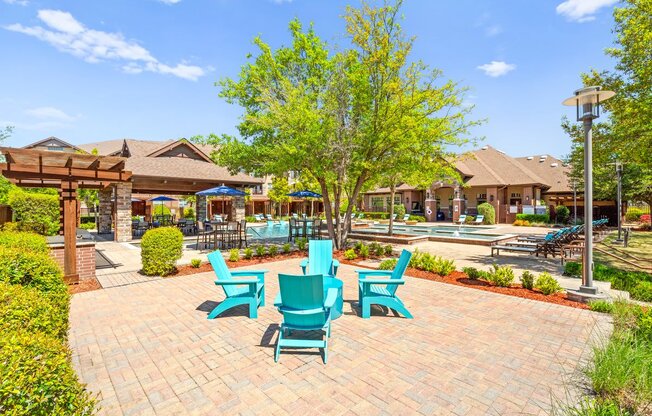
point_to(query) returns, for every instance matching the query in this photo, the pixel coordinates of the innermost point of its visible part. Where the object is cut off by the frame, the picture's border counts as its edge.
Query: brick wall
(85, 259)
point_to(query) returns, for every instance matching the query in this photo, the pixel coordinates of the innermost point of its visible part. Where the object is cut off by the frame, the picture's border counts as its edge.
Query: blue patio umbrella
(306, 194)
(162, 199)
(223, 191)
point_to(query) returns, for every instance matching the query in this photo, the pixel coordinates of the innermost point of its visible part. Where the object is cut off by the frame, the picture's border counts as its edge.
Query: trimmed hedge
(31, 269)
(36, 377)
(488, 211)
(35, 212)
(562, 214)
(23, 241)
(160, 250)
(376, 215)
(533, 217)
(25, 308)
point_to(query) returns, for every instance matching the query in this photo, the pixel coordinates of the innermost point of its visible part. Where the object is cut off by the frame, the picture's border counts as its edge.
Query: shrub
(532, 218)
(273, 250)
(444, 267)
(10, 227)
(376, 249)
(469, 219)
(196, 263)
(472, 273)
(87, 226)
(417, 218)
(160, 250)
(388, 250)
(642, 291)
(388, 264)
(527, 280)
(601, 306)
(350, 254)
(38, 378)
(161, 209)
(248, 253)
(188, 213)
(358, 245)
(572, 268)
(31, 269)
(35, 212)
(399, 210)
(25, 308)
(24, 241)
(547, 284)
(502, 276)
(286, 248)
(302, 243)
(364, 251)
(260, 250)
(633, 214)
(562, 214)
(249, 218)
(376, 215)
(488, 211)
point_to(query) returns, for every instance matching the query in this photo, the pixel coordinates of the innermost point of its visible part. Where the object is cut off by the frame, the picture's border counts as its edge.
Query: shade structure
(306, 194)
(162, 198)
(221, 191)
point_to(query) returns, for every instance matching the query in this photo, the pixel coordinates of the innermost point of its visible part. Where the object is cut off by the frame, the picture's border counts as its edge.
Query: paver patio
(147, 348)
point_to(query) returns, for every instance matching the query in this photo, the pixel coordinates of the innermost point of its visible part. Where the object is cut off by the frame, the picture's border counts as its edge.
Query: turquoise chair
(305, 307)
(320, 259)
(238, 291)
(383, 291)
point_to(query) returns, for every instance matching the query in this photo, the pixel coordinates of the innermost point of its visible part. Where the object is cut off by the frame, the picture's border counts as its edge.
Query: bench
(497, 249)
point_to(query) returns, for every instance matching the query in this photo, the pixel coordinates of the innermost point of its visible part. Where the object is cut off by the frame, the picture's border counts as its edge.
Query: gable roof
(55, 139)
(552, 170)
(181, 142)
(490, 167)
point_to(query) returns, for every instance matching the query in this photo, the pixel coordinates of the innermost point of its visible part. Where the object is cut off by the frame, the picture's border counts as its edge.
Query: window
(516, 194)
(481, 196)
(56, 148)
(397, 200)
(377, 203)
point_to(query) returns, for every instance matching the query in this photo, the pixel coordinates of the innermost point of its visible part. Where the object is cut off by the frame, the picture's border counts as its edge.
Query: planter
(386, 222)
(411, 222)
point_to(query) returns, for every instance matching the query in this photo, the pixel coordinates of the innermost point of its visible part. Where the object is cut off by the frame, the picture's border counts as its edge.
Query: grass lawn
(640, 247)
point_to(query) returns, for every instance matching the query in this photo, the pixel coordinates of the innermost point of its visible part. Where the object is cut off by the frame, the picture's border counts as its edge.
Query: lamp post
(619, 175)
(574, 201)
(587, 103)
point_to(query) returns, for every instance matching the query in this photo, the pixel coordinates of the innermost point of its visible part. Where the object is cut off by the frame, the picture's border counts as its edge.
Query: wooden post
(69, 205)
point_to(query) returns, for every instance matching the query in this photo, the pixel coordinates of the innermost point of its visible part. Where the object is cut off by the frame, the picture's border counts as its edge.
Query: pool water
(269, 232)
(439, 231)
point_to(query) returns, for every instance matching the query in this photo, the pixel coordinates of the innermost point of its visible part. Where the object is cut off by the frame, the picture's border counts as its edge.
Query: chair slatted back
(222, 272)
(399, 270)
(320, 257)
(300, 294)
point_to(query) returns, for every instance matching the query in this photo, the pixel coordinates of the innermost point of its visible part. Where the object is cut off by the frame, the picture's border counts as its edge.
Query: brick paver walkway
(148, 349)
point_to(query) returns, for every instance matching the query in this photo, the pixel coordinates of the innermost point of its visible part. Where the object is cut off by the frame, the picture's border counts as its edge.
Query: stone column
(201, 208)
(105, 221)
(123, 212)
(458, 204)
(238, 208)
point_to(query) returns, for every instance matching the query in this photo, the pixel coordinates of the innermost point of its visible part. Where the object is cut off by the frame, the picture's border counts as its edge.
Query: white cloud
(68, 35)
(582, 10)
(493, 30)
(282, 1)
(497, 68)
(170, 1)
(50, 113)
(18, 2)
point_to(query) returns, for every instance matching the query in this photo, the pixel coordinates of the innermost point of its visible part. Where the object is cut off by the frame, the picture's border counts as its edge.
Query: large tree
(279, 192)
(626, 135)
(342, 117)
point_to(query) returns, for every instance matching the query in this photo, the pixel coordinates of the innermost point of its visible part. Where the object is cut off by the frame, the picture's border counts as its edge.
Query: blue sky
(100, 70)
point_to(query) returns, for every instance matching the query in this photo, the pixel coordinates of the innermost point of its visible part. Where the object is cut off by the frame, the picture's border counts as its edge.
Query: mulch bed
(461, 279)
(84, 286)
(206, 267)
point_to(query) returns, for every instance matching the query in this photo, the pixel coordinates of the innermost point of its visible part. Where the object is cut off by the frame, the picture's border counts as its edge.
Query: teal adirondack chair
(320, 259)
(383, 291)
(305, 307)
(238, 291)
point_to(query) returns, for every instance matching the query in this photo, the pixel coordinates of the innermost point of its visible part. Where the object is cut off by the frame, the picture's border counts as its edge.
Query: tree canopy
(341, 116)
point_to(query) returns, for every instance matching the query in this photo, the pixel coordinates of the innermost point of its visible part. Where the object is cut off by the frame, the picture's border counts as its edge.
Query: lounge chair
(461, 219)
(305, 307)
(478, 220)
(393, 217)
(406, 217)
(383, 291)
(320, 259)
(238, 291)
(551, 244)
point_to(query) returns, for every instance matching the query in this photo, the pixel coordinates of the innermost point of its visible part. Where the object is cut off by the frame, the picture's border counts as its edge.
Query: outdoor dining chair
(242, 234)
(203, 234)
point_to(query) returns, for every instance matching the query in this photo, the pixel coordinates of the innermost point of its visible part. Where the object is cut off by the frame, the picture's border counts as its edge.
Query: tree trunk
(392, 191)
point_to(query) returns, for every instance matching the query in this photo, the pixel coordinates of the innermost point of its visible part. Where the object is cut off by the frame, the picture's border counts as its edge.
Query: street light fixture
(587, 103)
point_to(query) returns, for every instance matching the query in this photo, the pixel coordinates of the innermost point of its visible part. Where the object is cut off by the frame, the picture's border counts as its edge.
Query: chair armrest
(382, 281)
(236, 282)
(331, 298)
(249, 273)
(304, 265)
(336, 265)
(362, 273)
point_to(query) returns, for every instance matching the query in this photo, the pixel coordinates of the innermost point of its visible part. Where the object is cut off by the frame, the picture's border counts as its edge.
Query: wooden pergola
(66, 172)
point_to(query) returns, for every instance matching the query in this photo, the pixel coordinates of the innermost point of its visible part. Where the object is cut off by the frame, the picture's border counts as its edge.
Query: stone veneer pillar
(238, 208)
(201, 208)
(123, 211)
(458, 204)
(105, 221)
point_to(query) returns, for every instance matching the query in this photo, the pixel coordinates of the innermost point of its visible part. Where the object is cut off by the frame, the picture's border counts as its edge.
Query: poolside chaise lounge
(238, 291)
(478, 220)
(461, 219)
(305, 307)
(551, 244)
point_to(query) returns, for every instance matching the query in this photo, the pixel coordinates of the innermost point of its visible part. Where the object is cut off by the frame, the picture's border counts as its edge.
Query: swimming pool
(268, 232)
(448, 233)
